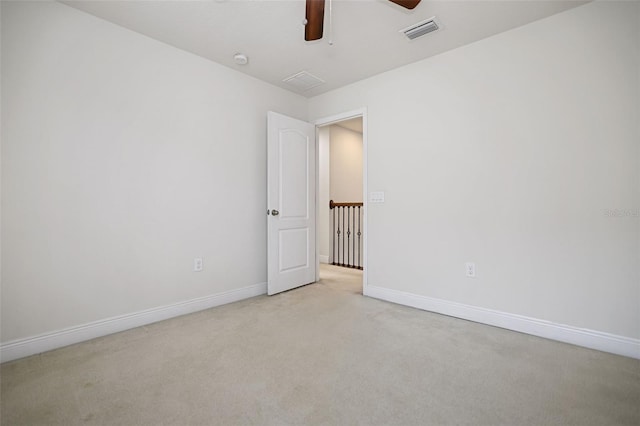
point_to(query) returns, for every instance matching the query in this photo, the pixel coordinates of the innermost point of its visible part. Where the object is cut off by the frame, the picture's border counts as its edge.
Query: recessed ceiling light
(241, 59)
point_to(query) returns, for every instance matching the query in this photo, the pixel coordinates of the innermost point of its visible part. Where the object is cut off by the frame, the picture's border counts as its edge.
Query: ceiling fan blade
(409, 4)
(315, 20)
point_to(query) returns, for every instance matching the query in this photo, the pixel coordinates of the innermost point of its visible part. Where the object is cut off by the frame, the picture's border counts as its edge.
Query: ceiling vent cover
(303, 81)
(421, 28)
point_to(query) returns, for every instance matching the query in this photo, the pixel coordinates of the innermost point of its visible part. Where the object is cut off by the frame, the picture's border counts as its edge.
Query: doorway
(341, 226)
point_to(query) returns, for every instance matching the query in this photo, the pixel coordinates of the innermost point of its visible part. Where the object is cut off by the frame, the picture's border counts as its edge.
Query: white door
(291, 203)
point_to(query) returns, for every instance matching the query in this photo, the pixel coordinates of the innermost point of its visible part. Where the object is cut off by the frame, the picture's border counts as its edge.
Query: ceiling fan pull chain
(330, 22)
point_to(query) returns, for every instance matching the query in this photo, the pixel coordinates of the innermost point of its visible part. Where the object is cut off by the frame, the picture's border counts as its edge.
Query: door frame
(325, 121)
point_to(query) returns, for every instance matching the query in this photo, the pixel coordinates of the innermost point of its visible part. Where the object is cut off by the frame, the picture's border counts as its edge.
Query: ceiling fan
(315, 16)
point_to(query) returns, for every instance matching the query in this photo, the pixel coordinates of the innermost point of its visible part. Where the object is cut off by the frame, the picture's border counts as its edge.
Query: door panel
(291, 203)
(294, 175)
(290, 255)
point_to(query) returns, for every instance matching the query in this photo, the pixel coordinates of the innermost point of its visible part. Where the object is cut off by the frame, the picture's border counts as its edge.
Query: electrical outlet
(470, 269)
(197, 264)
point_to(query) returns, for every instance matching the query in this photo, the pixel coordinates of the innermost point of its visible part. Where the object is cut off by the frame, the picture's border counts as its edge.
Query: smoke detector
(241, 59)
(421, 28)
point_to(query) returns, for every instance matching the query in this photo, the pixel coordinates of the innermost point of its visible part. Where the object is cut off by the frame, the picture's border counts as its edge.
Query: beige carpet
(321, 354)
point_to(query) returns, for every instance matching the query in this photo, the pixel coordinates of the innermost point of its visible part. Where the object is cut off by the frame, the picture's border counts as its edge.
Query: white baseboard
(592, 339)
(34, 345)
(324, 259)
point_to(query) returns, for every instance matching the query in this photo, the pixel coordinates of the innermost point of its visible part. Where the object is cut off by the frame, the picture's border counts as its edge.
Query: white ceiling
(366, 37)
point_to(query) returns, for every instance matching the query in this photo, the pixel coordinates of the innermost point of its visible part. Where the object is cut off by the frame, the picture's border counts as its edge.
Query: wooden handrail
(332, 204)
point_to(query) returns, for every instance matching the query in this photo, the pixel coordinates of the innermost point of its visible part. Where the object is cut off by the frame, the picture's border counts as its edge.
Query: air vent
(421, 28)
(303, 81)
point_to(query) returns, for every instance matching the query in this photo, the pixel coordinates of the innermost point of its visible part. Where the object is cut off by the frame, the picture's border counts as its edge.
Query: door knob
(275, 212)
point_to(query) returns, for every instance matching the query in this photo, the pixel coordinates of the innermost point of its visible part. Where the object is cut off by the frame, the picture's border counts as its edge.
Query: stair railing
(346, 233)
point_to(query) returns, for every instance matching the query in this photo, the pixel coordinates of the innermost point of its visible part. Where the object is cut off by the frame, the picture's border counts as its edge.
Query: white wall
(346, 165)
(123, 159)
(509, 152)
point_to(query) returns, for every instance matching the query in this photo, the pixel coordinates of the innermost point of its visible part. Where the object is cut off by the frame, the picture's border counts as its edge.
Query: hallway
(341, 278)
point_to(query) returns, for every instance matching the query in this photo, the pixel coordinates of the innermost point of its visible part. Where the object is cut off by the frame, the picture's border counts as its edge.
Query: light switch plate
(376, 197)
